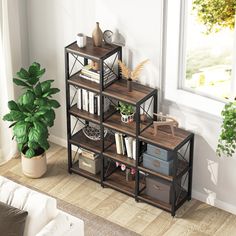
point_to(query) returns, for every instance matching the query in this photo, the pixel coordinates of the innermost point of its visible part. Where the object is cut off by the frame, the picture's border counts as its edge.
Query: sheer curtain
(8, 147)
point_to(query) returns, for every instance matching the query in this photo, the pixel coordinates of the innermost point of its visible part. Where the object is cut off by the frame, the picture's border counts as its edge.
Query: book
(95, 105)
(128, 144)
(134, 149)
(122, 138)
(91, 102)
(98, 105)
(118, 143)
(88, 154)
(79, 102)
(85, 99)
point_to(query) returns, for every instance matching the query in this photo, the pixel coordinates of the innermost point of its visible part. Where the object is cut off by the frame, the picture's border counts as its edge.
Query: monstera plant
(31, 116)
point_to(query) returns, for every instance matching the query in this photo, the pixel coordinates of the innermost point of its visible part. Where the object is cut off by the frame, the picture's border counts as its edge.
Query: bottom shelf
(75, 169)
(117, 181)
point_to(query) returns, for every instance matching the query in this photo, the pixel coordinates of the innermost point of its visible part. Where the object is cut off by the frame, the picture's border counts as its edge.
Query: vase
(129, 85)
(97, 36)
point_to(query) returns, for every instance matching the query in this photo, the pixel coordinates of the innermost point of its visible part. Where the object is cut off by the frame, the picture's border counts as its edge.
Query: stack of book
(90, 102)
(125, 145)
(89, 73)
(88, 154)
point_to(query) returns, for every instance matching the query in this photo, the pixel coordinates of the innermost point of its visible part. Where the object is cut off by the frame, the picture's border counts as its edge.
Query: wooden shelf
(111, 153)
(88, 116)
(92, 52)
(114, 122)
(75, 169)
(119, 91)
(117, 181)
(164, 138)
(182, 169)
(80, 139)
(76, 80)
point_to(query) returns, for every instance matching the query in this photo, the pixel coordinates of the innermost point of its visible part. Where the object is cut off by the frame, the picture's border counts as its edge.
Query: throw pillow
(12, 220)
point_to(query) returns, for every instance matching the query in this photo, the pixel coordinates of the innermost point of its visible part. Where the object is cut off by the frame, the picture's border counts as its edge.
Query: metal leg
(190, 168)
(120, 58)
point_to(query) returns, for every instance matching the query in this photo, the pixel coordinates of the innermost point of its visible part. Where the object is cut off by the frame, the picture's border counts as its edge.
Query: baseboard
(59, 141)
(214, 202)
(197, 195)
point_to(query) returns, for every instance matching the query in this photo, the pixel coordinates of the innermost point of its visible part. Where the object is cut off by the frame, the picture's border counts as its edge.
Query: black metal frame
(152, 95)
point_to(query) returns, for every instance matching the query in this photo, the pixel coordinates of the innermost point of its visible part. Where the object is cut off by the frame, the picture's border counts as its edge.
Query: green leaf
(14, 116)
(34, 135)
(40, 101)
(33, 70)
(12, 105)
(54, 103)
(33, 145)
(8, 117)
(49, 117)
(41, 73)
(22, 140)
(28, 98)
(33, 80)
(41, 127)
(21, 129)
(38, 90)
(46, 85)
(44, 144)
(30, 153)
(23, 74)
(21, 83)
(20, 147)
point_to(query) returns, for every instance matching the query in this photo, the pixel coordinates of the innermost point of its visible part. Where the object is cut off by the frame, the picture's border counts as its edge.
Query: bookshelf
(142, 131)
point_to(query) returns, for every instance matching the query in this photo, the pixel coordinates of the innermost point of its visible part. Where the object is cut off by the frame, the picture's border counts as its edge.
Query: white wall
(54, 24)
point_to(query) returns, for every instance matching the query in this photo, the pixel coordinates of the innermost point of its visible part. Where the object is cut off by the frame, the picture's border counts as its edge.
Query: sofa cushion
(12, 220)
(41, 208)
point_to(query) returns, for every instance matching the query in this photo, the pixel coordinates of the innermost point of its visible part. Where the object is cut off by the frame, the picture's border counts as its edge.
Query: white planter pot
(34, 167)
(127, 118)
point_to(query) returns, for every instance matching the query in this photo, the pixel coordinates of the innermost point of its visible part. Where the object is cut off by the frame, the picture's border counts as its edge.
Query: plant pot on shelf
(129, 85)
(34, 167)
(127, 118)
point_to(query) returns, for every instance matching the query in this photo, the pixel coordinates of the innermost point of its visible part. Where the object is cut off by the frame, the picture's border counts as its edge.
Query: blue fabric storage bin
(160, 153)
(157, 164)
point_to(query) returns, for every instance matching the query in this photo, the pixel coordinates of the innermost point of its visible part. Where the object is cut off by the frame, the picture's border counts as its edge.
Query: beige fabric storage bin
(92, 166)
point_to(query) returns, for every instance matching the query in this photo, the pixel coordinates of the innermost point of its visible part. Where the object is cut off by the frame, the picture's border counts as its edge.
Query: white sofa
(44, 219)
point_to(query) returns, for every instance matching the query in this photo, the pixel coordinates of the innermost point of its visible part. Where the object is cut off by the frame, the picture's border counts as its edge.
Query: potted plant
(31, 115)
(126, 111)
(131, 75)
(227, 139)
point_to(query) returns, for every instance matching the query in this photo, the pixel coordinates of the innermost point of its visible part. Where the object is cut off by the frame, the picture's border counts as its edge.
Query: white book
(122, 144)
(85, 100)
(79, 102)
(134, 149)
(128, 144)
(118, 143)
(91, 102)
(98, 105)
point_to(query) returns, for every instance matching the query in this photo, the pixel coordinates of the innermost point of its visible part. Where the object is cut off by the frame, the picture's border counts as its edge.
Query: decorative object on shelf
(117, 38)
(107, 36)
(31, 115)
(95, 66)
(227, 140)
(129, 172)
(126, 111)
(81, 40)
(93, 133)
(129, 75)
(97, 36)
(143, 117)
(163, 120)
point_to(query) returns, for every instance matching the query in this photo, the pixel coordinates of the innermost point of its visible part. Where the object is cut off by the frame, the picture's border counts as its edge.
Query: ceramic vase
(97, 36)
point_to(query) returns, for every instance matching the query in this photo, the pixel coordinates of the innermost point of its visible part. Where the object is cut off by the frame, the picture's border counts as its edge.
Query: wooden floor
(194, 218)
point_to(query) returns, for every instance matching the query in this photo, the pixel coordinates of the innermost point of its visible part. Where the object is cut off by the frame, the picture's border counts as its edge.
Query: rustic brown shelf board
(154, 202)
(117, 181)
(75, 169)
(88, 116)
(92, 52)
(118, 90)
(182, 169)
(76, 80)
(114, 122)
(80, 139)
(111, 153)
(164, 138)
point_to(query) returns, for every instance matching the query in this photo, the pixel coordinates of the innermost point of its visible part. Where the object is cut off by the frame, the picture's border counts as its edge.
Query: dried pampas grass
(128, 74)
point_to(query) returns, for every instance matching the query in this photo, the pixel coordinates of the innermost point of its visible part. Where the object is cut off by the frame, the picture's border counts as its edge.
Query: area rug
(94, 225)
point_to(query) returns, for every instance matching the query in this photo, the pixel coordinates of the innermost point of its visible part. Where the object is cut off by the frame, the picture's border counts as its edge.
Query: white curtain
(8, 60)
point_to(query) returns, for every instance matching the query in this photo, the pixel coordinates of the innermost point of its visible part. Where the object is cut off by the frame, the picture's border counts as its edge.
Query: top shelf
(118, 90)
(92, 52)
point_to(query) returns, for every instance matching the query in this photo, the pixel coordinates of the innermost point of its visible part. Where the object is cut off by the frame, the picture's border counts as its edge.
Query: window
(199, 67)
(207, 49)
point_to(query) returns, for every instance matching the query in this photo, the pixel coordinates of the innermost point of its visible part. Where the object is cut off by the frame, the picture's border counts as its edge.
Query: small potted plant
(131, 75)
(227, 139)
(31, 115)
(126, 111)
